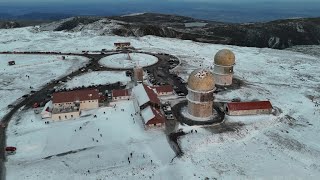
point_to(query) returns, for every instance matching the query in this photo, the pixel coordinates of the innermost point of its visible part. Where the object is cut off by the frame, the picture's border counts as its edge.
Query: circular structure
(201, 80)
(201, 86)
(178, 111)
(128, 61)
(224, 61)
(224, 57)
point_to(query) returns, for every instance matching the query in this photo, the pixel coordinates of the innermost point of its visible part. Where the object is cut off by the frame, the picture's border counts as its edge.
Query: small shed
(248, 108)
(119, 45)
(11, 63)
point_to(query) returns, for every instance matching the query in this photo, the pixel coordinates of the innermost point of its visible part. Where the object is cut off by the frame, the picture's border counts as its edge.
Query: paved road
(93, 65)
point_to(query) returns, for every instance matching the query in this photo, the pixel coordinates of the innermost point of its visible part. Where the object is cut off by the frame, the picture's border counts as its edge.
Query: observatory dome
(224, 57)
(201, 80)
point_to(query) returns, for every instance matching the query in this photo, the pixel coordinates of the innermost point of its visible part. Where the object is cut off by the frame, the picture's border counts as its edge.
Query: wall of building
(223, 80)
(200, 97)
(138, 74)
(65, 116)
(63, 105)
(165, 93)
(150, 126)
(121, 98)
(90, 104)
(249, 112)
(223, 69)
(200, 110)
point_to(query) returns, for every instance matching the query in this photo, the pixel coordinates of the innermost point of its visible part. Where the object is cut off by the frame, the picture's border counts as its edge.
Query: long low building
(248, 108)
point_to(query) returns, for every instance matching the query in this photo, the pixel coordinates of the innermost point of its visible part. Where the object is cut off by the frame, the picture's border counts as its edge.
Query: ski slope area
(266, 147)
(102, 146)
(30, 73)
(97, 78)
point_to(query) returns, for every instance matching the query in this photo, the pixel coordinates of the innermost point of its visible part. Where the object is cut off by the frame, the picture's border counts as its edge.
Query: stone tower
(224, 61)
(201, 86)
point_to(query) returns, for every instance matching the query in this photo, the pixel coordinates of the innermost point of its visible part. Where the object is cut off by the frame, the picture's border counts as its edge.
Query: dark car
(10, 106)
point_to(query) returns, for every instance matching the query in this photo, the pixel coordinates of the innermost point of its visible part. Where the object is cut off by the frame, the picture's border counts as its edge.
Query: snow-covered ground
(97, 78)
(267, 147)
(31, 71)
(103, 146)
(123, 61)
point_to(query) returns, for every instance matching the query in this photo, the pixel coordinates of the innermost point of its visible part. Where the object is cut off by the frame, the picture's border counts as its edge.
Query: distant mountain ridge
(278, 34)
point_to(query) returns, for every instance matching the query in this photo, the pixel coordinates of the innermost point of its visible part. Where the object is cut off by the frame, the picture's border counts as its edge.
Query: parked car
(10, 150)
(10, 106)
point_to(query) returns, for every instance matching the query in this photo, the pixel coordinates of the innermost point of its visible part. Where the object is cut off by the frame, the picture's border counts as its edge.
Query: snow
(140, 94)
(43, 145)
(41, 69)
(147, 114)
(261, 147)
(133, 14)
(122, 61)
(97, 78)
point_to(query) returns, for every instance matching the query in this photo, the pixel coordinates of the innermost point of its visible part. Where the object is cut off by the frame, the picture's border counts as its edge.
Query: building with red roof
(152, 117)
(68, 104)
(248, 108)
(120, 94)
(163, 90)
(119, 45)
(145, 95)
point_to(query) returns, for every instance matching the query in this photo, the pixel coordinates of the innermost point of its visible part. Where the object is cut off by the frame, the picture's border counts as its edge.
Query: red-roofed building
(152, 117)
(153, 97)
(120, 94)
(67, 105)
(248, 108)
(119, 45)
(163, 90)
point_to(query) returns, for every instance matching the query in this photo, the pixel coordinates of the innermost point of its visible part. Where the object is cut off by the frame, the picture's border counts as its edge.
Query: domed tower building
(201, 86)
(224, 61)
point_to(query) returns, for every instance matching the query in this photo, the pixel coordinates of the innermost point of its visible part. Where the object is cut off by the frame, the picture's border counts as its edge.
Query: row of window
(80, 102)
(66, 117)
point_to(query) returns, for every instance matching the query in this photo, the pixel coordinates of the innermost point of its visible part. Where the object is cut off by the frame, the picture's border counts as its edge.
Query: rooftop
(238, 106)
(152, 115)
(161, 89)
(120, 92)
(75, 95)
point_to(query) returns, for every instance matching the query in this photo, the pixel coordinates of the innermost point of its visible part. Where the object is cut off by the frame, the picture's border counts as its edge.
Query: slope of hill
(279, 34)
